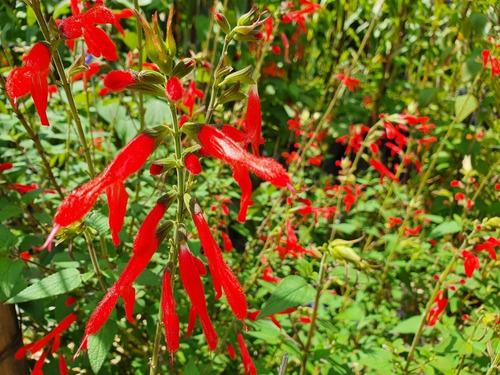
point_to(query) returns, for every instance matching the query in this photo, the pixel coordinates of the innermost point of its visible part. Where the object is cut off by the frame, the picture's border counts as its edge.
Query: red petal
(117, 202)
(39, 89)
(128, 295)
(18, 83)
(117, 80)
(242, 178)
(99, 44)
(170, 318)
(253, 120)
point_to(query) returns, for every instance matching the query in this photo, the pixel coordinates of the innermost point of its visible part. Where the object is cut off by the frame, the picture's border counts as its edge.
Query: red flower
(489, 245)
(124, 13)
(253, 120)
(299, 15)
(440, 304)
(292, 244)
(191, 269)
(219, 145)
(268, 276)
(118, 80)
(348, 81)
(98, 42)
(174, 89)
(190, 98)
(222, 276)
(5, 166)
(393, 221)
(117, 203)
(192, 164)
(382, 169)
(247, 360)
(471, 263)
(32, 79)
(230, 351)
(74, 207)
(412, 232)
(228, 245)
(170, 318)
(145, 244)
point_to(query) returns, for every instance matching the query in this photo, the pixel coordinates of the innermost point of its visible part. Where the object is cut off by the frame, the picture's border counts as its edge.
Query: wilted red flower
(82, 24)
(471, 262)
(440, 304)
(247, 360)
(31, 78)
(190, 97)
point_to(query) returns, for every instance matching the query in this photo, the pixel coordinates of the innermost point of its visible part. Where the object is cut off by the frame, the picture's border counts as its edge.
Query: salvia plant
(316, 184)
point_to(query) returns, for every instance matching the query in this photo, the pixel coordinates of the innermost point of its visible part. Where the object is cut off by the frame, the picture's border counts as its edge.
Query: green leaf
(7, 239)
(446, 227)
(53, 285)
(9, 211)
(157, 113)
(291, 292)
(464, 106)
(409, 325)
(99, 344)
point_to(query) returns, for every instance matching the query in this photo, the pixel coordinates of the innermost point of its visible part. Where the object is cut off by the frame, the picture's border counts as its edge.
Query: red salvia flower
(348, 81)
(145, 245)
(440, 304)
(6, 166)
(382, 169)
(489, 245)
(299, 15)
(222, 276)
(31, 78)
(98, 42)
(219, 145)
(393, 221)
(247, 360)
(292, 244)
(117, 203)
(268, 276)
(228, 245)
(174, 89)
(124, 13)
(230, 351)
(191, 269)
(170, 318)
(269, 28)
(253, 120)
(118, 80)
(471, 263)
(74, 207)
(190, 98)
(192, 164)
(412, 232)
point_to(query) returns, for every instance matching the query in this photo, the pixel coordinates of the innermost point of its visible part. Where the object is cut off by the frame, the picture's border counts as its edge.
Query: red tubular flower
(489, 245)
(124, 13)
(98, 42)
(412, 232)
(268, 276)
(292, 244)
(440, 304)
(247, 360)
(393, 221)
(74, 207)
(170, 318)
(145, 244)
(117, 203)
(222, 276)
(269, 28)
(174, 89)
(190, 97)
(32, 79)
(118, 80)
(6, 166)
(128, 295)
(230, 351)
(228, 245)
(217, 144)
(348, 81)
(253, 120)
(286, 46)
(381, 168)
(471, 263)
(37, 346)
(192, 164)
(191, 269)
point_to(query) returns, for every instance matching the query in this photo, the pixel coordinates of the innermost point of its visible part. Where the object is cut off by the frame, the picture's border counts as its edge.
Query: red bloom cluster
(348, 81)
(493, 60)
(354, 138)
(299, 15)
(292, 244)
(31, 78)
(471, 262)
(489, 245)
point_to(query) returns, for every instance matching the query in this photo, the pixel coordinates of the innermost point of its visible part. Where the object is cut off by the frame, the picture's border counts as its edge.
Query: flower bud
(223, 23)
(174, 89)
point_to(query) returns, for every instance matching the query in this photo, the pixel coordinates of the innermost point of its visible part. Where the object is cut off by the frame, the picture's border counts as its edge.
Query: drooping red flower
(74, 207)
(253, 120)
(145, 245)
(247, 360)
(83, 24)
(170, 318)
(190, 98)
(217, 144)
(223, 277)
(471, 262)
(230, 351)
(440, 304)
(191, 269)
(31, 78)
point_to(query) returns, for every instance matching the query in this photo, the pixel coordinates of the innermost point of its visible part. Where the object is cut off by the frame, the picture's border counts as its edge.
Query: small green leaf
(446, 227)
(291, 292)
(7, 239)
(53, 285)
(409, 325)
(464, 106)
(99, 344)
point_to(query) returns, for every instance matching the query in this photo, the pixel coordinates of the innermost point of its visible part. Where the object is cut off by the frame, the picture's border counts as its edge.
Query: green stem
(312, 327)
(434, 293)
(140, 49)
(215, 81)
(95, 262)
(495, 363)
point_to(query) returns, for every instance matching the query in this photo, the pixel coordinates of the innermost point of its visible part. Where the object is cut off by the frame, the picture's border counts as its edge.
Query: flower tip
(83, 345)
(48, 243)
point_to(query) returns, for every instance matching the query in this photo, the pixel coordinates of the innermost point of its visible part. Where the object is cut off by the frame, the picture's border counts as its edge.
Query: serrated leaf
(293, 291)
(53, 285)
(446, 227)
(464, 106)
(99, 344)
